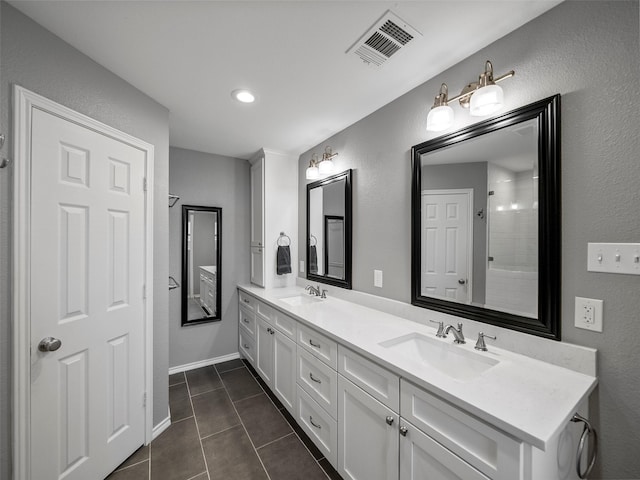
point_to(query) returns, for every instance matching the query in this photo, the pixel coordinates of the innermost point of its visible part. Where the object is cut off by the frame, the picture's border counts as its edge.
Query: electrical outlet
(588, 314)
(377, 278)
(301, 266)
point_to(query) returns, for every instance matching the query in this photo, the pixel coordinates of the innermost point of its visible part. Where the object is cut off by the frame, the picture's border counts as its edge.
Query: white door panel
(87, 275)
(447, 240)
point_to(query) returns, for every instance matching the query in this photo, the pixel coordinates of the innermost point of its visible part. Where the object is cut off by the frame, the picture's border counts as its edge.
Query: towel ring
(588, 430)
(313, 241)
(282, 237)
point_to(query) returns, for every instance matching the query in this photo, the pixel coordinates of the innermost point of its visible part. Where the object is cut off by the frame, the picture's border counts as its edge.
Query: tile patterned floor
(226, 424)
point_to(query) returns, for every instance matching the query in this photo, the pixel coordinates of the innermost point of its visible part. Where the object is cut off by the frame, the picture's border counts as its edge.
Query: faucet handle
(480, 345)
(324, 293)
(440, 333)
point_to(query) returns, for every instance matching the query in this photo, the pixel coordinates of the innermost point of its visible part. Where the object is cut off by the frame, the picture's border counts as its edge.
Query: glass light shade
(439, 118)
(326, 167)
(312, 173)
(486, 100)
(244, 96)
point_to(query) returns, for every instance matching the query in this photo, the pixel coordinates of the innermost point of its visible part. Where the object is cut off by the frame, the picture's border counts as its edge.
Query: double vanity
(384, 398)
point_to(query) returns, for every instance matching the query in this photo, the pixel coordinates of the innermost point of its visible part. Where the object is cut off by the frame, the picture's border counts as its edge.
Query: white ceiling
(190, 55)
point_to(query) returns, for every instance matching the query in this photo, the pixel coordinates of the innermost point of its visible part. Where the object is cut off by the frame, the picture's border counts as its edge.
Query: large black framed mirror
(201, 262)
(485, 228)
(329, 230)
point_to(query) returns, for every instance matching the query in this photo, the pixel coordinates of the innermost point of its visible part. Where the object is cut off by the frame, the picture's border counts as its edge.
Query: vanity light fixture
(243, 96)
(482, 98)
(326, 166)
(312, 170)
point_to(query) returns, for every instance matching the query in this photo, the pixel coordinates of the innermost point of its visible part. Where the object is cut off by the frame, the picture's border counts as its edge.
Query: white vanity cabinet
(208, 289)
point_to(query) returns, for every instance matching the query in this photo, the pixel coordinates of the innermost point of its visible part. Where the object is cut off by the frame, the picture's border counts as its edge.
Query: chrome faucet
(458, 337)
(313, 290)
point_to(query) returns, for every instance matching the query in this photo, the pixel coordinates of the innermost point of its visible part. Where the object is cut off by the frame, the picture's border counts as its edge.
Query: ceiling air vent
(385, 38)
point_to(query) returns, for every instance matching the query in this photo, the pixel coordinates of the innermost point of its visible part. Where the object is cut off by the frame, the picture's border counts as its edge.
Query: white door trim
(24, 102)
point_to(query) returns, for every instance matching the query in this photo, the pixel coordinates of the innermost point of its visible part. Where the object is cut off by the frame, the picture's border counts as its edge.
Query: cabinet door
(284, 370)
(264, 355)
(257, 266)
(422, 458)
(257, 204)
(368, 440)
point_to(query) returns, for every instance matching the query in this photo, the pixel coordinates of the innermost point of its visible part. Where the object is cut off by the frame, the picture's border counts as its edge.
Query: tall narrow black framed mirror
(329, 230)
(485, 208)
(201, 262)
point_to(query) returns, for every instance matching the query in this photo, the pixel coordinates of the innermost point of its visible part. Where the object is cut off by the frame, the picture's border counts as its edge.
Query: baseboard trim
(161, 427)
(203, 363)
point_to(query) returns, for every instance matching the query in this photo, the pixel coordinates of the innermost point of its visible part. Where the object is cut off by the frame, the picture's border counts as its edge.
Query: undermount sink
(297, 300)
(447, 358)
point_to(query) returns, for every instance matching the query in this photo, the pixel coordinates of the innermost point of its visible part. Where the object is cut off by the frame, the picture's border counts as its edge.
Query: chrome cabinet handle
(314, 378)
(271, 331)
(245, 345)
(245, 300)
(245, 320)
(49, 344)
(403, 431)
(314, 423)
(316, 345)
(389, 420)
(462, 281)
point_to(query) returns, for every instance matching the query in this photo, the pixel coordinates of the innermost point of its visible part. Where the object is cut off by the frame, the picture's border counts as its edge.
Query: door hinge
(144, 291)
(144, 399)
(144, 184)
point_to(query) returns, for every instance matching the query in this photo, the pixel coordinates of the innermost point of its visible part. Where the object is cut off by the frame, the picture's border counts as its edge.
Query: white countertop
(209, 269)
(527, 398)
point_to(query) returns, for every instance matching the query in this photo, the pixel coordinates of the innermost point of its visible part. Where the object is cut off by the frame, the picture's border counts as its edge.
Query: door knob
(49, 344)
(462, 281)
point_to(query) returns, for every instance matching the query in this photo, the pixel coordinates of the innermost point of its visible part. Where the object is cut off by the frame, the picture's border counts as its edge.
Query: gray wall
(35, 59)
(588, 52)
(212, 181)
(474, 176)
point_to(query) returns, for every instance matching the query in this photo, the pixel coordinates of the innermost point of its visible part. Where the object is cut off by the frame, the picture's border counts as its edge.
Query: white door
(446, 244)
(368, 443)
(264, 346)
(423, 458)
(87, 276)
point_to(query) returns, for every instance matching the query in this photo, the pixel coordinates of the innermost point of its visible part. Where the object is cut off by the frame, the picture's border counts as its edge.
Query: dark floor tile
(202, 476)
(329, 470)
(214, 412)
(203, 380)
(179, 402)
(315, 452)
(250, 367)
(230, 365)
(136, 472)
(231, 456)
(136, 457)
(176, 453)
(176, 378)
(287, 459)
(271, 395)
(240, 384)
(263, 421)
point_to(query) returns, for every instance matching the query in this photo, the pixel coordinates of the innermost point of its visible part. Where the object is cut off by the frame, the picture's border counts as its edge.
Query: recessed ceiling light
(244, 96)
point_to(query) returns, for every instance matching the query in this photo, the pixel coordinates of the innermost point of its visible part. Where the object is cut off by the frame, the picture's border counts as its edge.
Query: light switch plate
(614, 258)
(377, 278)
(301, 266)
(588, 314)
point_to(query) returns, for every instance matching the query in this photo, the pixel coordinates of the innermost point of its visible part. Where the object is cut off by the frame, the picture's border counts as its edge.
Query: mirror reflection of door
(447, 243)
(201, 264)
(334, 241)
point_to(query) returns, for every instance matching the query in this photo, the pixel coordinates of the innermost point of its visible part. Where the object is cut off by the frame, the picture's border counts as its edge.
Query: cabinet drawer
(284, 323)
(319, 345)
(491, 451)
(319, 381)
(246, 300)
(318, 424)
(380, 383)
(248, 322)
(247, 346)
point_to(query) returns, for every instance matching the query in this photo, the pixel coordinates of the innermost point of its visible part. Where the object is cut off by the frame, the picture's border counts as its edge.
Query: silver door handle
(462, 281)
(49, 344)
(403, 431)
(389, 420)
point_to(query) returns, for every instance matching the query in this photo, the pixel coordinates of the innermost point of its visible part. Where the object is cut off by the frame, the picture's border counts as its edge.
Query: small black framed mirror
(201, 262)
(329, 230)
(485, 221)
